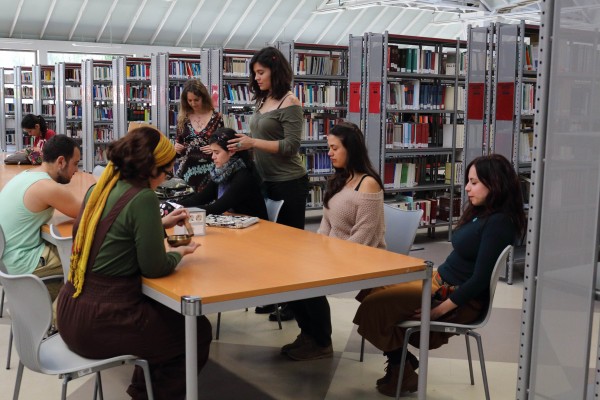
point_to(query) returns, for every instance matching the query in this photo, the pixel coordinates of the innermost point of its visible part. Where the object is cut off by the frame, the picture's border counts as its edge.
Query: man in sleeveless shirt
(28, 201)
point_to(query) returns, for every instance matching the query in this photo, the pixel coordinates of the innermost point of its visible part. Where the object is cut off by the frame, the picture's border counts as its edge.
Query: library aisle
(245, 362)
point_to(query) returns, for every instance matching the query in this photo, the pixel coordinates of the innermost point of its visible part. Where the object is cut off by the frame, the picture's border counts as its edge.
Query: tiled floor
(245, 363)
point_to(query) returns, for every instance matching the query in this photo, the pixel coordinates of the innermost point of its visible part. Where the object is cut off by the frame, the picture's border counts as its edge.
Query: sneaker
(285, 313)
(410, 380)
(265, 309)
(301, 339)
(310, 351)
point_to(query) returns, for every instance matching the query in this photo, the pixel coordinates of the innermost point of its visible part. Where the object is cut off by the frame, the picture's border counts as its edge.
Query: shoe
(410, 380)
(387, 376)
(300, 341)
(265, 309)
(410, 358)
(285, 313)
(310, 351)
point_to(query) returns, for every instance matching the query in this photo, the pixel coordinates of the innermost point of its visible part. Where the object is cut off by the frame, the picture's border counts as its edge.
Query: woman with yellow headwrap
(119, 237)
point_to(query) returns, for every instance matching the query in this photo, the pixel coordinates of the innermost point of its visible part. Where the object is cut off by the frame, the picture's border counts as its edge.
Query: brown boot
(301, 340)
(386, 377)
(310, 351)
(410, 380)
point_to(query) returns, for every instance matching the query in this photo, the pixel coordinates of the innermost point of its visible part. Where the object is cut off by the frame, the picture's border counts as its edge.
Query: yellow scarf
(163, 154)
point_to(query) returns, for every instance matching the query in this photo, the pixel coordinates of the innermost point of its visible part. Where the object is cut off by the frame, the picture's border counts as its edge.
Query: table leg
(191, 308)
(424, 338)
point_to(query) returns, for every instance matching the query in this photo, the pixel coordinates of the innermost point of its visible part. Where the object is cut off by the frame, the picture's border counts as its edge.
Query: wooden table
(269, 263)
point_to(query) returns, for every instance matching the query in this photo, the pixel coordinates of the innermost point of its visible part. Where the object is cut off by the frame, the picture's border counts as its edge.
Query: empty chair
(31, 313)
(273, 208)
(460, 329)
(400, 231)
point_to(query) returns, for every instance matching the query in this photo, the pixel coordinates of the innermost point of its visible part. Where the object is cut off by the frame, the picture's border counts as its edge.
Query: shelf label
(475, 99)
(374, 97)
(354, 98)
(505, 101)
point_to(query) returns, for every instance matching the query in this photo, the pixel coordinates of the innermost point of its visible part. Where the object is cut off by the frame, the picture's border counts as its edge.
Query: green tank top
(24, 244)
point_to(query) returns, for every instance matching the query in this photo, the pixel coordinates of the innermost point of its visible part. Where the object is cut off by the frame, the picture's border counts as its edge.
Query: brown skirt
(112, 317)
(382, 308)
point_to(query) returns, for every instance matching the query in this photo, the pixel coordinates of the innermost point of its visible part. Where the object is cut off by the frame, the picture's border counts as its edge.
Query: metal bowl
(179, 240)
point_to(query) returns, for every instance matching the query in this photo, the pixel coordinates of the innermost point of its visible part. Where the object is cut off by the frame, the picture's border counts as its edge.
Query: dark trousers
(112, 317)
(314, 318)
(294, 194)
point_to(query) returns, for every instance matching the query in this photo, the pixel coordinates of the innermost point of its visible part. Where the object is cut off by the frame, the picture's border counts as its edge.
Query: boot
(410, 380)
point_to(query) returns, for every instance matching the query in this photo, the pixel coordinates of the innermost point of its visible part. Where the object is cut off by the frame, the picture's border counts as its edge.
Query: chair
(31, 313)
(400, 231)
(64, 245)
(273, 208)
(98, 170)
(461, 329)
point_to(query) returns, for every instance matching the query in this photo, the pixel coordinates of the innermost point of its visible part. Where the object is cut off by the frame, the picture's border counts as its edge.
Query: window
(54, 57)
(11, 58)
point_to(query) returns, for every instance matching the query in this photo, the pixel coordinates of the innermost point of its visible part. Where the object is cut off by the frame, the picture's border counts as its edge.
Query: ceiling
(247, 24)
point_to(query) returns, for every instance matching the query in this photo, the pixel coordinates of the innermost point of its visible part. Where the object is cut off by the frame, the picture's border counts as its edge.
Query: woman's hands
(179, 148)
(188, 249)
(176, 217)
(206, 149)
(241, 142)
(437, 312)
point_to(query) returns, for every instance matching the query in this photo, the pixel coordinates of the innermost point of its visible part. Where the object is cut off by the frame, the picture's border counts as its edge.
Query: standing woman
(353, 210)
(492, 220)
(275, 134)
(118, 239)
(196, 122)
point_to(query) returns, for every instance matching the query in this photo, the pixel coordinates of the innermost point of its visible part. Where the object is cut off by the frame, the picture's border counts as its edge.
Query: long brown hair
(195, 87)
(499, 177)
(281, 74)
(357, 159)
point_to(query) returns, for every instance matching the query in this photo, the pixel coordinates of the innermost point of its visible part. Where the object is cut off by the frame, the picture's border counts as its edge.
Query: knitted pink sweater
(355, 216)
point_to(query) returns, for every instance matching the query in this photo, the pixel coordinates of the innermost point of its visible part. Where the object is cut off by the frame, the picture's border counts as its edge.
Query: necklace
(199, 122)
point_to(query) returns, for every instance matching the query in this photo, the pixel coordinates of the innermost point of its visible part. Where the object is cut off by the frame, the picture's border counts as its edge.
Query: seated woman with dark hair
(232, 185)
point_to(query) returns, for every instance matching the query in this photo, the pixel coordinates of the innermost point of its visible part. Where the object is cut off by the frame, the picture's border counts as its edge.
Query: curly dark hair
(357, 159)
(500, 178)
(281, 74)
(197, 88)
(133, 154)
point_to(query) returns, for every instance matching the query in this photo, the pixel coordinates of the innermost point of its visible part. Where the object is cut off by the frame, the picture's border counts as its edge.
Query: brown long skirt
(384, 307)
(112, 317)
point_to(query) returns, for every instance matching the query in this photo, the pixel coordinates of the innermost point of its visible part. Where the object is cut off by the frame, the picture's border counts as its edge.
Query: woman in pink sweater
(353, 210)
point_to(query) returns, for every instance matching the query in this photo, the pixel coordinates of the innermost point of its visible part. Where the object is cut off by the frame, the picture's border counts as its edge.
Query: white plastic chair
(64, 245)
(31, 313)
(98, 170)
(400, 231)
(273, 208)
(460, 329)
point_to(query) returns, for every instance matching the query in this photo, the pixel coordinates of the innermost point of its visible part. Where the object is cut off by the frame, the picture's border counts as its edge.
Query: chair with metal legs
(460, 329)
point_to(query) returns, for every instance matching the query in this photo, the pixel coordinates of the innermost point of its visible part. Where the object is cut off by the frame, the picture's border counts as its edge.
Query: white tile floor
(245, 363)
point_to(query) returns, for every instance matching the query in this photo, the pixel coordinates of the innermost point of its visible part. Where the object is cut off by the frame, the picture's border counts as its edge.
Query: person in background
(196, 122)
(35, 126)
(492, 220)
(233, 187)
(118, 239)
(275, 134)
(28, 201)
(353, 210)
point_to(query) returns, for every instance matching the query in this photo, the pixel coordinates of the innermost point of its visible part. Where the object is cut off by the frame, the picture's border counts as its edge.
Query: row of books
(447, 135)
(421, 170)
(315, 197)
(449, 93)
(318, 64)
(102, 92)
(73, 74)
(105, 135)
(406, 135)
(9, 91)
(138, 113)
(318, 95)
(429, 207)
(173, 112)
(528, 99)
(26, 77)
(317, 161)
(415, 95)
(73, 92)
(137, 71)
(424, 61)
(74, 111)
(184, 69)
(49, 110)
(74, 130)
(138, 92)
(9, 108)
(102, 73)
(47, 75)
(27, 92)
(27, 108)
(175, 92)
(103, 114)
(236, 94)
(47, 92)
(238, 122)
(458, 173)
(526, 146)
(317, 125)
(236, 66)
(531, 57)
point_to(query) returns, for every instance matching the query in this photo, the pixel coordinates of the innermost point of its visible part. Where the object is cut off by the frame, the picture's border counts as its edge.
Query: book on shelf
(429, 207)
(458, 172)
(236, 66)
(447, 135)
(444, 209)
(525, 146)
(238, 122)
(317, 64)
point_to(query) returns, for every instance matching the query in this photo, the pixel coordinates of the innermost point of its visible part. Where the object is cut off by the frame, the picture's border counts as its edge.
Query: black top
(476, 247)
(242, 196)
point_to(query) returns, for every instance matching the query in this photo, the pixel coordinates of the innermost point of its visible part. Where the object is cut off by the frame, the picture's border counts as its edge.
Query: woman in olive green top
(275, 132)
(119, 238)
